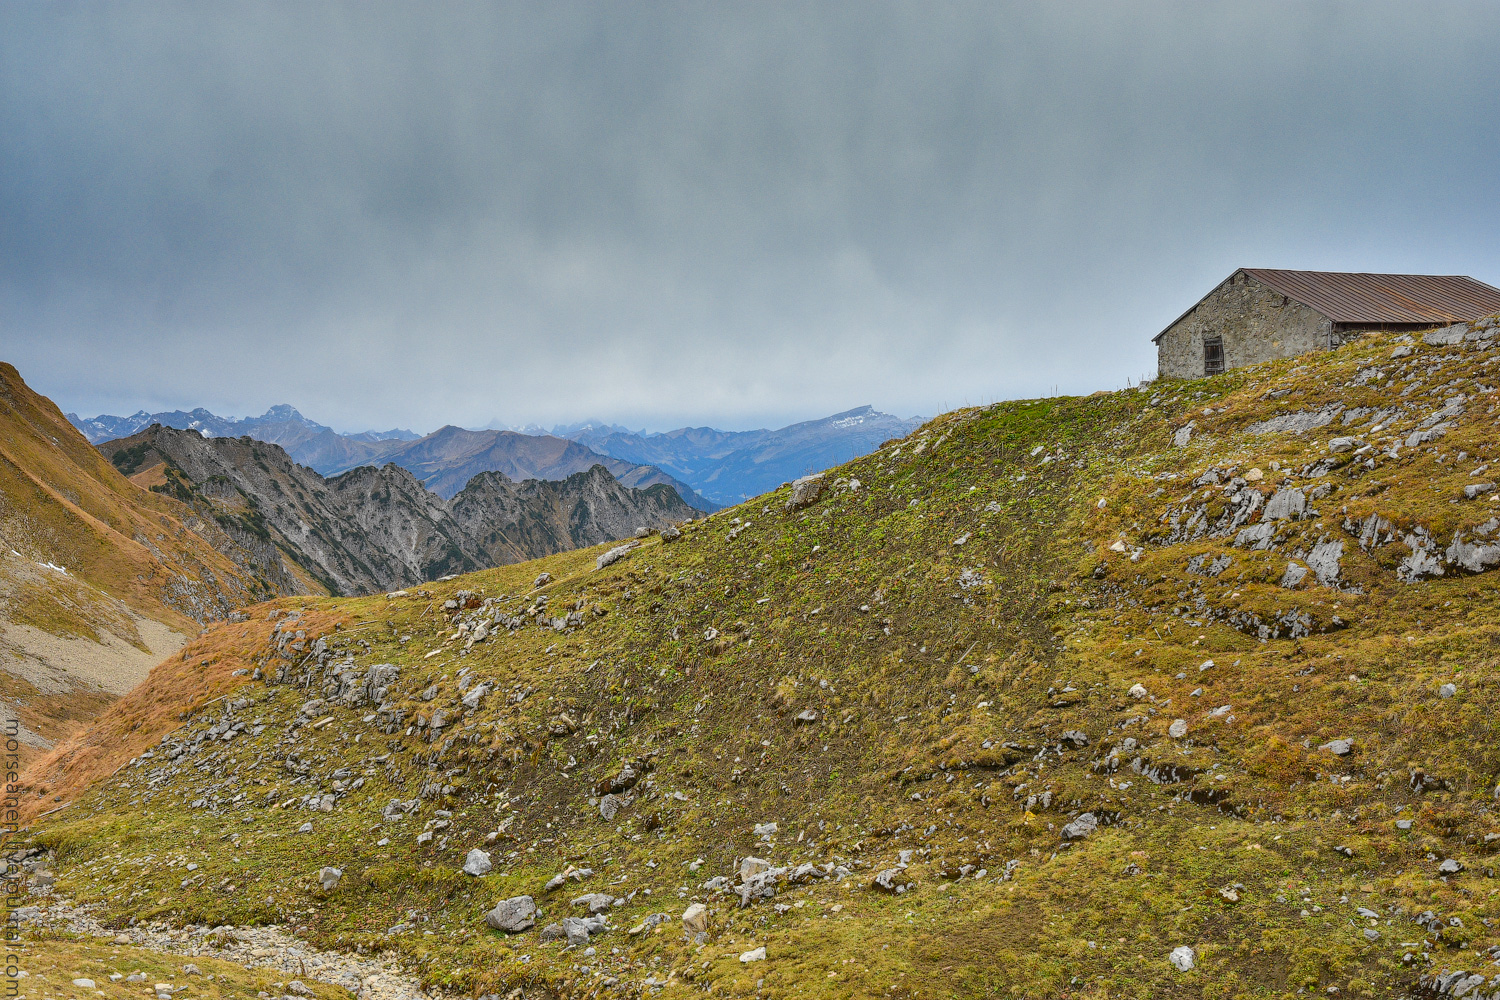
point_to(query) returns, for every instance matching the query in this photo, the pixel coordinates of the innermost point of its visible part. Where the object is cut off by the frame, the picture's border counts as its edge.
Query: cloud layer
(729, 214)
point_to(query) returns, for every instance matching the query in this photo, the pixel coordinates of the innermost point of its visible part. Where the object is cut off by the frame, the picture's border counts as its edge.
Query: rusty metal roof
(1358, 297)
(1384, 298)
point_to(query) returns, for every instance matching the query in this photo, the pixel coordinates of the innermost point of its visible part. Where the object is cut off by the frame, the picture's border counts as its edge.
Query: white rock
(512, 915)
(1447, 691)
(695, 919)
(753, 955)
(1139, 691)
(750, 867)
(477, 863)
(329, 877)
(84, 984)
(1178, 729)
(1183, 958)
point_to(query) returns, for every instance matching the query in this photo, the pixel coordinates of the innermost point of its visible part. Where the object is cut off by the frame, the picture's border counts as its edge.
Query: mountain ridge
(381, 528)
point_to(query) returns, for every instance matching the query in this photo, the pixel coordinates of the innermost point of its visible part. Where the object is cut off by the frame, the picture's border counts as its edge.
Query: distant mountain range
(708, 468)
(730, 466)
(374, 529)
(444, 460)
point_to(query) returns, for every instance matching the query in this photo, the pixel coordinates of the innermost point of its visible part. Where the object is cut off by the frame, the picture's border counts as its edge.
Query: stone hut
(1257, 314)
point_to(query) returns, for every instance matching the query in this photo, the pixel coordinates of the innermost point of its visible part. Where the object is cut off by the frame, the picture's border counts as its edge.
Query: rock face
(371, 529)
(512, 915)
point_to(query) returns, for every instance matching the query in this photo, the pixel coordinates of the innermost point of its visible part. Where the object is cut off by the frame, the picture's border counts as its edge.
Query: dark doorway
(1213, 355)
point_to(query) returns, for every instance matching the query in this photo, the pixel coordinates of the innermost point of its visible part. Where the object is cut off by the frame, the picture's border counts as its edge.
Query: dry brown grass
(201, 672)
(61, 502)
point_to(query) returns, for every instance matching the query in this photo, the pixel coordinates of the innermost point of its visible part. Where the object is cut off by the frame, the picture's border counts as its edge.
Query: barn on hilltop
(1257, 314)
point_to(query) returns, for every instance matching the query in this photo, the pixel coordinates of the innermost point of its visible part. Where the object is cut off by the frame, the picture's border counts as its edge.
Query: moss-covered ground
(960, 632)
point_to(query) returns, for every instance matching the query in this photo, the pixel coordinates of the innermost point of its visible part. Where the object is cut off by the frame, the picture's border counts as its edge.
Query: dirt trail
(368, 978)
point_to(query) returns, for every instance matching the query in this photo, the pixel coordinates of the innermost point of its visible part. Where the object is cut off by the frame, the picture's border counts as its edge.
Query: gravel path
(369, 978)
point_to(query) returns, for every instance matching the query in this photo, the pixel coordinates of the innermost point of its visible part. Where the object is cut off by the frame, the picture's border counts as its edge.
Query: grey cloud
(410, 215)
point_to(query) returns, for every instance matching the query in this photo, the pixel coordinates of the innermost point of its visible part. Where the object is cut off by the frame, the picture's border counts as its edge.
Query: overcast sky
(735, 214)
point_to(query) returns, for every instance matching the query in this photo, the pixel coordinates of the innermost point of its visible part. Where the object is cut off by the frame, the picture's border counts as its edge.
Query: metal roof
(1357, 297)
(1385, 298)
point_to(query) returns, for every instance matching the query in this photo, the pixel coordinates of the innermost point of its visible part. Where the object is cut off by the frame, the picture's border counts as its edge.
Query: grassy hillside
(1086, 680)
(96, 573)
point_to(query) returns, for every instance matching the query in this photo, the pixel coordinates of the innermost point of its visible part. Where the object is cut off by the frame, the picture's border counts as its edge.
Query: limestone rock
(805, 491)
(595, 902)
(753, 866)
(615, 554)
(695, 919)
(477, 862)
(1183, 958)
(512, 915)
(1081, 827)
(329, 877)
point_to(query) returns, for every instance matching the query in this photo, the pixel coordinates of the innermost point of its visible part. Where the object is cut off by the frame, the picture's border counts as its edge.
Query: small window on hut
(1213, 355)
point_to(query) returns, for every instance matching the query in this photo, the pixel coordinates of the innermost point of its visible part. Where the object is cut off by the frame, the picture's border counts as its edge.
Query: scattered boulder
(753, 955)
(750, 867)
(329, 877)
(1138, 691)
(595, 902)
(615, 555)
(891, 880)
(1338, 748)
(1447, 691)
(1178, 729)
(805, 491)
(695, 919)
(541, 581)
(761, 885)
(671, 533)
(610, 805)
(1446, 336)
(512, 915)
(576, 930)
(652, 920)
(477, 863)
(1183, 958)
(1450, 866)
(1081, 827)
(806, 717)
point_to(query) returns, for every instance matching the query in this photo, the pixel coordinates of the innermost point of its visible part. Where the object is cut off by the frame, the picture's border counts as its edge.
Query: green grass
(697, 657)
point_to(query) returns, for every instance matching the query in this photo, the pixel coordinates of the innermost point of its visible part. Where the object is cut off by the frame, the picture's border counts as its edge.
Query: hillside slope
(379, 529)
(1185, 691)
(98, 578)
